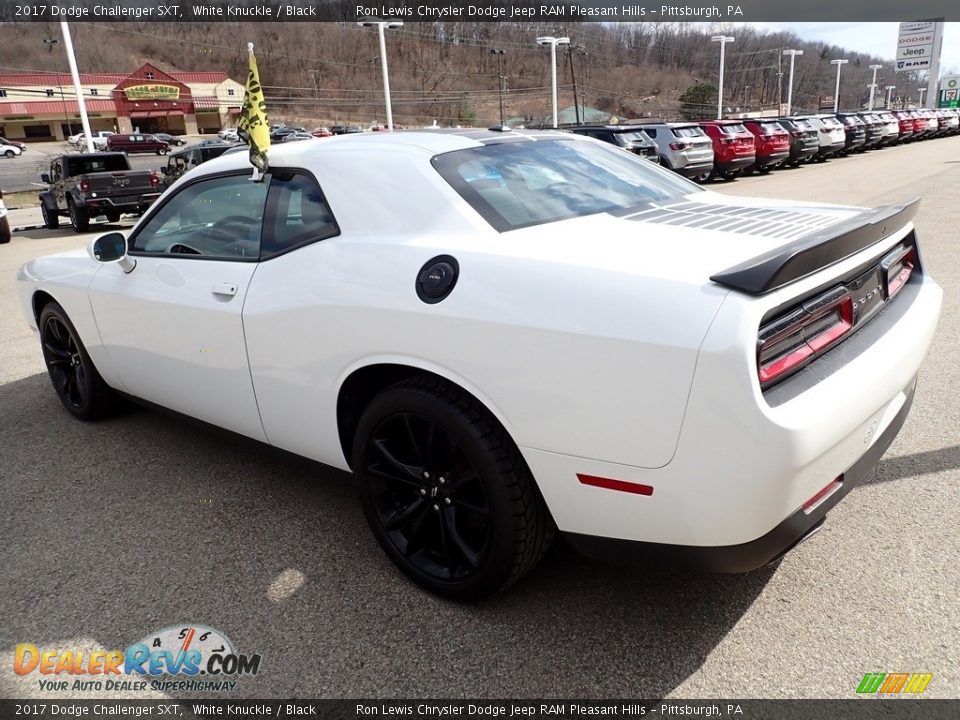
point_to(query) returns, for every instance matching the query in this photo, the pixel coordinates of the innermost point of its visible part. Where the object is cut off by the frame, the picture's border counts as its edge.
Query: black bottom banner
(857, 709)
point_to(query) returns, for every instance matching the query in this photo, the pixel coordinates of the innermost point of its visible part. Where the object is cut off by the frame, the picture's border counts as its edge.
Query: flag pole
(253, 125)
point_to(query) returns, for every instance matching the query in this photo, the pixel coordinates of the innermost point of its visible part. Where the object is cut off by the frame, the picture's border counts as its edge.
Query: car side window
(652, 133)
(220, 218)
(297, 213)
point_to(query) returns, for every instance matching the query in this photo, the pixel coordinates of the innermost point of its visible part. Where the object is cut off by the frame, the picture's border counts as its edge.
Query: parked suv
(772, 141)
(874, 130)
(185, 160)
(855, 130)
(683, 147)
(628, 137)
(891, 127)
(733, 148)
(136, 144)
(830, 134)
(804, 144)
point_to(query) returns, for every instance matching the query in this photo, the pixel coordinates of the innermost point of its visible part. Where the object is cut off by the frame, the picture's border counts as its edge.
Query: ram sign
(915, 46)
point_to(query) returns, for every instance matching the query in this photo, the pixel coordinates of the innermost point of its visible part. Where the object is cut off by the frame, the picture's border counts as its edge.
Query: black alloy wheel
(78, 218)
(446, 492)
(72, 373)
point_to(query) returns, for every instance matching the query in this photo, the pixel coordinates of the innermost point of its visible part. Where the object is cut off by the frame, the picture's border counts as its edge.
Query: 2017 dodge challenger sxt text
(507, 334)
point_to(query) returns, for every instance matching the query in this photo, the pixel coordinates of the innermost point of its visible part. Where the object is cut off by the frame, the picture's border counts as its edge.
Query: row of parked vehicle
(706, 149)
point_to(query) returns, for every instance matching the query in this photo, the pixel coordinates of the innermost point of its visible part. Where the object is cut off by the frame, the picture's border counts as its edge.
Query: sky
(877, 38)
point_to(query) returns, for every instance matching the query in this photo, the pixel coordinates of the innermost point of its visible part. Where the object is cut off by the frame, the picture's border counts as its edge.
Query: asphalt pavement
(115, 529)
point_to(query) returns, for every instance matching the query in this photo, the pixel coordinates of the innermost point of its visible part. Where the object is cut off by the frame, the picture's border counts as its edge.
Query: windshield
(519, 184)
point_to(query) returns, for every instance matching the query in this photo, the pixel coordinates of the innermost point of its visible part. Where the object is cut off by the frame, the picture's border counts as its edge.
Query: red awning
(54, 107)
(206, 103)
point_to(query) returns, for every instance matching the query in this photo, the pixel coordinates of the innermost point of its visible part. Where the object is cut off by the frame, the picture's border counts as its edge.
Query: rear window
(769, 128)
(733, 129)
(831, 122)
(688, 132)
(801, 124)
(105, 163)
(627, 138)
(520, 184)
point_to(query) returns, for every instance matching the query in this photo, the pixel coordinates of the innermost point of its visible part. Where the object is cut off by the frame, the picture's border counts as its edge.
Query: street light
(499, 53)
(873, 85)
(50, 42)
(836, 93)
(890, 89)
(553, 42)
(382, 25)
(723, 40)
(792, 54)
(922, 91)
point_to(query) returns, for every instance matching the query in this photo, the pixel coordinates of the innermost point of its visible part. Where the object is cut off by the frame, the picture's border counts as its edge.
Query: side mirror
(165, 170)
(112, 247)
(45, 177)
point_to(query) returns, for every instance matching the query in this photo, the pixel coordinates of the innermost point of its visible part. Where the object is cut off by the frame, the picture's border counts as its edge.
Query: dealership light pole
(922, 91)
(553, 42)
(50, 42)
(81, 104)
(723, 40)
(836, 92)
(890, 89)
(793, 54)
(382, 25)
(873, 85)
(499, 53)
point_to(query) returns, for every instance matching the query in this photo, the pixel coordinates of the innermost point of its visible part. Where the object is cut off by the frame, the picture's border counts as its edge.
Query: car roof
(613, 128)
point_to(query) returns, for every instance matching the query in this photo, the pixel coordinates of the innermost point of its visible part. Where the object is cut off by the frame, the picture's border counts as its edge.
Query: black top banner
(474, 11)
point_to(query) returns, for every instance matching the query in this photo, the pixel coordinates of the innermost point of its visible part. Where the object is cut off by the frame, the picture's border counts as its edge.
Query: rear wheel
(50, 218)
(113, 217)
(9, 153)
(4, 231)
(446, 492)
(75, 380)
(764, 170)
(78, 218)
(705, 177)
(730, 174)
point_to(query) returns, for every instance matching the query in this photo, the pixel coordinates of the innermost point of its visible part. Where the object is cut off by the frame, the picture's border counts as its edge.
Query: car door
(172, 328)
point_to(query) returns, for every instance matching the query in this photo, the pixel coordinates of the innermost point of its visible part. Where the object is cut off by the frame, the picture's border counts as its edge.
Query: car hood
(685, 239)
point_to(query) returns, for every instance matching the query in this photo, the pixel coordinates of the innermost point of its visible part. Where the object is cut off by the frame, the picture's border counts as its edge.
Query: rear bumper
(735, 163)
(766, 160)
(693, 169)
(121, 204)
(754, 554)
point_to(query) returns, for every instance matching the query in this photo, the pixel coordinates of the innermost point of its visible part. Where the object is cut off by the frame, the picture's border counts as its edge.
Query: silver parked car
(683, 147)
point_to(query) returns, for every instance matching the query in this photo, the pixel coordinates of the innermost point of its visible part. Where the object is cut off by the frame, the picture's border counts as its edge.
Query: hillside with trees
(447, 72)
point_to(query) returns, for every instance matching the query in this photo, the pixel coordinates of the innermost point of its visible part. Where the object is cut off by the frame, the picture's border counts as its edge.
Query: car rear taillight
(792, 340)
(728, 141)
(796, 133)
(897, 267)
(84, 185)
(678, 146)
(154, 179)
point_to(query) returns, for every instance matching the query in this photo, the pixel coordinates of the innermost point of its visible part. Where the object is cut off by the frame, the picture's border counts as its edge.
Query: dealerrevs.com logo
(187, 658)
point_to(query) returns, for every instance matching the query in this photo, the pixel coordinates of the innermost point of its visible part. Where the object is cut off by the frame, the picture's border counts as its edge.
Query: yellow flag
(253, 125)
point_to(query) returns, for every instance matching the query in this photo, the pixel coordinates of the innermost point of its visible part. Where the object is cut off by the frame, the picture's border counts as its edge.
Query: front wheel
(51, 220)
(446, 492)
(9, 154)
(75, 380)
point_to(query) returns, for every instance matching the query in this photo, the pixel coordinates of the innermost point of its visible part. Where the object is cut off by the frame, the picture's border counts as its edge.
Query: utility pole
(500, 78)
(50, 42)
(573, 79)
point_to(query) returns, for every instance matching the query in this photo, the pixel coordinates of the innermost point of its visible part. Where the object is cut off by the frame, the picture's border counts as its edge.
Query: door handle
(224, 288)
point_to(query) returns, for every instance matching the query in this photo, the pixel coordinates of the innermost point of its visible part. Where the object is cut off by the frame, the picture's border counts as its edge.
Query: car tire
(5, 234)
(51, 220)
(9, 154)
(162, 151)
(729, 175)
(78, 219)
(113, 217)
(765, 170)
(72, 373)
(446, 492)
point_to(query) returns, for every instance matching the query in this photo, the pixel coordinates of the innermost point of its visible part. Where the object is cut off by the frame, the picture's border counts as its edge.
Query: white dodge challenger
(507, 335)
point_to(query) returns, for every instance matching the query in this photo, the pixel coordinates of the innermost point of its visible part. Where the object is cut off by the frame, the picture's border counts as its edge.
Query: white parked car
(9, 149)
(540, 332)
(228, 134)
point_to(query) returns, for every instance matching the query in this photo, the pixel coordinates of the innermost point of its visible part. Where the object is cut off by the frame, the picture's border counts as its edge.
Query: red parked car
(321, 132)
(908, 130)
(733, 148)
(136, 143)
(772, 144)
